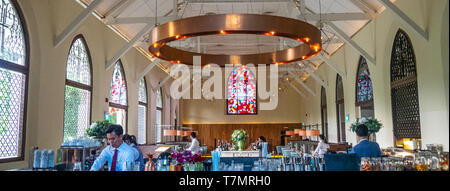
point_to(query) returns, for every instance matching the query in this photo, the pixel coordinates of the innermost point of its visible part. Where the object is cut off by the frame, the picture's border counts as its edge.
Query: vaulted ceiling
(337, 19)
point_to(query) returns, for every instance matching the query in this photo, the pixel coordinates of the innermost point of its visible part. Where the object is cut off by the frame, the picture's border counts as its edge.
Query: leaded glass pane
(158, 126)
(142, 124)
(142, 91)
(404, 95)
(76, 112)
(403, 61)
(78, 66)
(158, 98)
(12, 42)
(339, 88)
(118, 116)
(241, 92)
(364, 83)
(12, 98)
(118, 86)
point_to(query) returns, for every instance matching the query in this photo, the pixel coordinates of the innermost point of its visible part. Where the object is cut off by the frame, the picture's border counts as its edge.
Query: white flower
(93, 125)
(363, 120)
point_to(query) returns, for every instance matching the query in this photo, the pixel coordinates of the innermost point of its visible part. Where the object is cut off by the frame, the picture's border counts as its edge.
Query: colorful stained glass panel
(364, 83)
(241, 92)
(118, 86)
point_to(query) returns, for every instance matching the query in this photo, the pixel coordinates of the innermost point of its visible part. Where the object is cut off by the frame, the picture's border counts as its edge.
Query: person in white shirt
(322, 147)
(118, 154)
(195, 145)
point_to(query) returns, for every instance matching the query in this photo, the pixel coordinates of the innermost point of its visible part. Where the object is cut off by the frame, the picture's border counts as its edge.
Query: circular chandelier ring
(224, 24)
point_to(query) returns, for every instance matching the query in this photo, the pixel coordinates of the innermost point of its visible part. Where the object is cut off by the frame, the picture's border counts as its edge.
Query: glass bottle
(444, 162)
(365, 164)
(421, 164)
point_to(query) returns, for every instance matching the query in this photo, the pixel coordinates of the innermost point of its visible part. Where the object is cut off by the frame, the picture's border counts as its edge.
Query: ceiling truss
(111, 17)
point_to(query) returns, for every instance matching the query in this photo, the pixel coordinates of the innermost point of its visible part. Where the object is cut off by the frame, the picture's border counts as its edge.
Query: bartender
(195, 146)
(117, 153)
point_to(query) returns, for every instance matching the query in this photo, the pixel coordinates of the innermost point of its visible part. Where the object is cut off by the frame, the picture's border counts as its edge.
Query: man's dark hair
(362, 131)
(117, 129)
(130, 138)
(322, 136)
(133, 140)
(263, 138)
(126, 137)
(193, 134)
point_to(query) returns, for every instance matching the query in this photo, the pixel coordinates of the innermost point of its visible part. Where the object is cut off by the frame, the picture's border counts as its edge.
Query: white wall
(377, 39)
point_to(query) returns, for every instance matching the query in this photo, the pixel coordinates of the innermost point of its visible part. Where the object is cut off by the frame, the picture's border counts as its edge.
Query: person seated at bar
(195, 145)
(117, 153)
(131, 141)
(259, 142)
(322, 147)
(365, 148)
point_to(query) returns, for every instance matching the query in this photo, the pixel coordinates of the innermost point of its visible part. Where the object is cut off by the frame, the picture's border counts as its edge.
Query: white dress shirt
(321, 149)
(195, 146)
(125, 154)
(136, 152)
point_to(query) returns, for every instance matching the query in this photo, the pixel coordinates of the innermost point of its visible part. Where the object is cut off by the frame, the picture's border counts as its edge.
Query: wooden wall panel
(208, 133)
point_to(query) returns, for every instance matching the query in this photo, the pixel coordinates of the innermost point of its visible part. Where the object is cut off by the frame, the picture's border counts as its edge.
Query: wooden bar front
(208, 133)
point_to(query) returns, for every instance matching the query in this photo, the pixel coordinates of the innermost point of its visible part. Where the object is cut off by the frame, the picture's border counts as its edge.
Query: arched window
(340, 109)
(241, 92)
(118, 107)
(14, 69)
(364, 93)
(404, 91)
(142, 112)
(77, 100)
(323, 110)
(159, 112)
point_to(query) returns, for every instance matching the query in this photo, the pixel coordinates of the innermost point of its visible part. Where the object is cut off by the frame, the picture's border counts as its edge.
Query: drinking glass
(136, 166)
(127, 166)
(421, 164)
(77, 166)
(375, 164)
(365, 164)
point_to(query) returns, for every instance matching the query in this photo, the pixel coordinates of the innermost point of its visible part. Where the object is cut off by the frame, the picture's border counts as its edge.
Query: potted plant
(239, 138)
(373, 125)
(97, 130)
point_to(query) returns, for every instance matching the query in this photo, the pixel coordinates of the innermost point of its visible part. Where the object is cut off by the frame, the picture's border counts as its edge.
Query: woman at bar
(259, 142)
(131, 141)
(322, 147)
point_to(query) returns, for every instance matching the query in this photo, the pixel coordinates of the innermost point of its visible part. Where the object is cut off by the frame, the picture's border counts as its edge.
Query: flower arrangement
(98, 129)
(239, 135)
(372, 124)
(187, 156)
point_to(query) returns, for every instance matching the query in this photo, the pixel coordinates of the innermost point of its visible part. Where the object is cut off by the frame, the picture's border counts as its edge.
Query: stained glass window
(118, 86)
(241, 92)
(118, 97)
(364, 83)
(142, 112)
(13, 82)
(77, 101)
(159, 110)
(404, 89)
